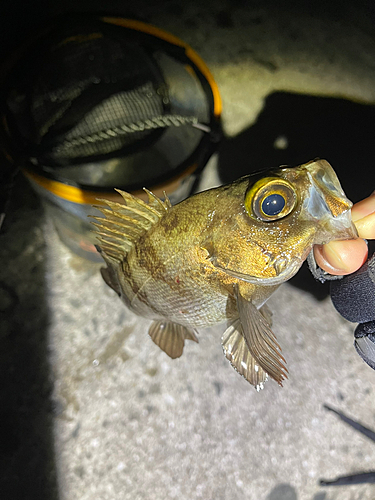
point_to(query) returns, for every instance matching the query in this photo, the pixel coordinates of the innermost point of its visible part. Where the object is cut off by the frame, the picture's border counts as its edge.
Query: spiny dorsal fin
(124, 223)
(156, 202)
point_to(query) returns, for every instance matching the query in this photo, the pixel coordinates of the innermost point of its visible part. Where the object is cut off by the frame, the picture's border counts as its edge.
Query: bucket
(98, 103)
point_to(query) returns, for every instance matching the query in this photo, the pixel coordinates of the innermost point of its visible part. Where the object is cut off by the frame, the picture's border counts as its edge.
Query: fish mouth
(327, 203)
(343, 227)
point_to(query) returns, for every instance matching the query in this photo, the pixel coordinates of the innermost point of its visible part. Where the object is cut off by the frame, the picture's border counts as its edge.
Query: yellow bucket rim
(80, 196)
(168, 37)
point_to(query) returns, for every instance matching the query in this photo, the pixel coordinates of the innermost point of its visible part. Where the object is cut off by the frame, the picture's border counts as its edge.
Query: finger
(341, 257)
(363, 215)
(345, 257)
(363, 208)
(366, 227)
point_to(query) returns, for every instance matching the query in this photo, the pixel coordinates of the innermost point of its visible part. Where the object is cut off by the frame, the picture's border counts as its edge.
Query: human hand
(345, 257)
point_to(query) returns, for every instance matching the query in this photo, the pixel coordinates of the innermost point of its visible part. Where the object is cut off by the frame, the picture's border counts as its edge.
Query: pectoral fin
(267, 313)
(170, 337)
(239, 356)
(260, 340)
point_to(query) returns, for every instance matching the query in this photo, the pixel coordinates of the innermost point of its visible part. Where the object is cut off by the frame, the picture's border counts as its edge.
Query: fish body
(218, 256)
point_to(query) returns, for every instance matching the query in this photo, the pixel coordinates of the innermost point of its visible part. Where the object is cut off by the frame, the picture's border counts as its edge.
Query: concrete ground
(90, 408)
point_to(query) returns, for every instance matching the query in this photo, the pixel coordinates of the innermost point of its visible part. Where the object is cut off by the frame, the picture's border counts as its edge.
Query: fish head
(290, 209)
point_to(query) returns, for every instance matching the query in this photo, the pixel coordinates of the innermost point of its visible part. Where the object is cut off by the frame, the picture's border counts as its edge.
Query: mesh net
(89, 90)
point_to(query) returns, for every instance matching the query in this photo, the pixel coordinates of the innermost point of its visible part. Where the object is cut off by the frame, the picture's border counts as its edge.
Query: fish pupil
(273, 204)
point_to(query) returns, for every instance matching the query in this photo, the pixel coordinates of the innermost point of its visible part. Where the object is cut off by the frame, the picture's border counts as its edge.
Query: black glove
(354, 298)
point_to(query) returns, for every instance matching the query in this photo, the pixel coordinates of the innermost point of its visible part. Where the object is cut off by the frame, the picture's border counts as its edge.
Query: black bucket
(96, 103)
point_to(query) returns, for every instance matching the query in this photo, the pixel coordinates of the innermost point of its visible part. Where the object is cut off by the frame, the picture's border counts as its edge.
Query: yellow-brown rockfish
(218, 256)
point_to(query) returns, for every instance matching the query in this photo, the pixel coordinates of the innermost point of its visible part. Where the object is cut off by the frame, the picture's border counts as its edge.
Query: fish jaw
(290, 268)
(327, 203)
(342, 228)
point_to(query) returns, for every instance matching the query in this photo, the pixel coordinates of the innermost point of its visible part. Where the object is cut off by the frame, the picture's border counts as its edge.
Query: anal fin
(170, 337)
(239, 356)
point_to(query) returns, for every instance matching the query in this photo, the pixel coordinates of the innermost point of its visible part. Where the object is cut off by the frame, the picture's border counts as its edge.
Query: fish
(216, 257)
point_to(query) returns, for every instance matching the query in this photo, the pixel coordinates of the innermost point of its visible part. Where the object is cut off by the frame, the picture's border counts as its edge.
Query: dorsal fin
(124, 223)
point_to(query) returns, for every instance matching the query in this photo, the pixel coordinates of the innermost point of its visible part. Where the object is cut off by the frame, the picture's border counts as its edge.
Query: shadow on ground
(27, 468)
(293, 129)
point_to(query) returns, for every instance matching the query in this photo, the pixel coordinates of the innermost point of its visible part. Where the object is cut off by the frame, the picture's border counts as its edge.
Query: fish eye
(270, 199)
(273, 204)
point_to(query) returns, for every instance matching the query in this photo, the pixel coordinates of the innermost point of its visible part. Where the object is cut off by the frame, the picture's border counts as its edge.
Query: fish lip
(316, 203)
(344, 227)
(328, 203)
